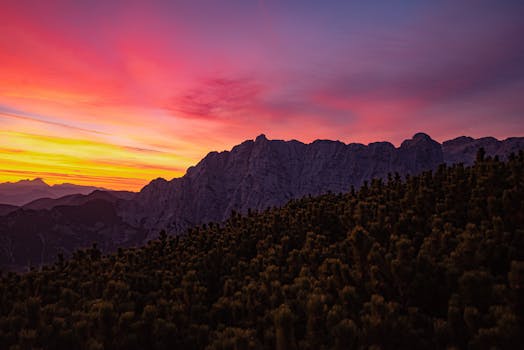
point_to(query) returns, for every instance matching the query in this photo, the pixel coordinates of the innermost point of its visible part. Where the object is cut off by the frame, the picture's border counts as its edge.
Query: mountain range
(254, 175)
(25, 191)
(264, 173)
(79, 199)
(36, 233)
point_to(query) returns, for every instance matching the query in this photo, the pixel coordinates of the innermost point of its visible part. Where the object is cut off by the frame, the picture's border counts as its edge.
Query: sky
(117, 93)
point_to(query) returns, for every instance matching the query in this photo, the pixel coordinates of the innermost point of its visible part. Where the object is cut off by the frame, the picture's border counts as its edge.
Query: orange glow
(59, 159)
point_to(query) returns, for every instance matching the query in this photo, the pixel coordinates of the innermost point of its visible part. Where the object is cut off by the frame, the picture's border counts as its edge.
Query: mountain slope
(25, 191)
(263, 173)
(35, 237)
(432, 262)
(6, 209)
(79, 199)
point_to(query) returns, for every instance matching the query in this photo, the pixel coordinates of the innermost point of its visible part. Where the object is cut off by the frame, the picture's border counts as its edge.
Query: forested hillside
(433, 261)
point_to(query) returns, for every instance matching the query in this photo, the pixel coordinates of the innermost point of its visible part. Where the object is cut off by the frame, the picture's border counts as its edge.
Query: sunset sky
(116, 93)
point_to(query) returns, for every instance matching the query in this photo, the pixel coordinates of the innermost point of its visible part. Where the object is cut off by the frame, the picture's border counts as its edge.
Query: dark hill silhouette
(33, 237)
(25, 191)
(79, 199)
(6, 209)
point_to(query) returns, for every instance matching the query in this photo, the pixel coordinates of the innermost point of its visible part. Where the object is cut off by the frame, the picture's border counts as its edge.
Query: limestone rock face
(263, 173)
(464, 149)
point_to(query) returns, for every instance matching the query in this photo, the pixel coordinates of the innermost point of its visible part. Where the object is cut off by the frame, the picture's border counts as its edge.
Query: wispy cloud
(6, 112)
(217, 98)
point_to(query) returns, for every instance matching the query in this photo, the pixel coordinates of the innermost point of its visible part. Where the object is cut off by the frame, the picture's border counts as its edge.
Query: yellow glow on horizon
(81, 161)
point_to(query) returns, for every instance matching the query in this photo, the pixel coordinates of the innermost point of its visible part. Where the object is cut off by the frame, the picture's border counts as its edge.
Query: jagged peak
(488, 139)
(464, 140)
(382, 145)
(35, 181)
(418, 138)
(421, 136)
(158, 180)
(261, 138)
(458, 141)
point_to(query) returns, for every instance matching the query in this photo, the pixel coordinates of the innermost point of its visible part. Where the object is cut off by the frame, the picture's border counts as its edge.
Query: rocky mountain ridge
(24, 191)
(464, 149)
(255, 175)
(263, 173)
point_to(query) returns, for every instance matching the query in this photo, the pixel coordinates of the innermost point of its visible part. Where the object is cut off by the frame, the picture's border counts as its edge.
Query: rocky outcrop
(264, 173)
(464, 149)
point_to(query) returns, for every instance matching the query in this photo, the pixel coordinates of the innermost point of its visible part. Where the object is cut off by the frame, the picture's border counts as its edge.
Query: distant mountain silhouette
(263, 173)
(25, 191)
(79, 199)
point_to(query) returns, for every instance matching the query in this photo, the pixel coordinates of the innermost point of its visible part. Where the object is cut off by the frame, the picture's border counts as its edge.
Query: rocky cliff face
(263, 173)
(464, 149)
